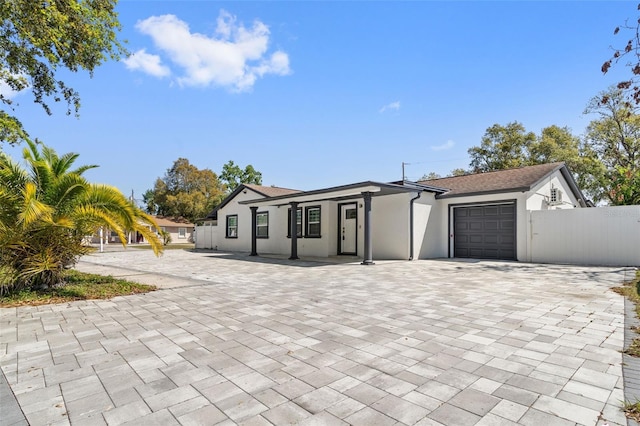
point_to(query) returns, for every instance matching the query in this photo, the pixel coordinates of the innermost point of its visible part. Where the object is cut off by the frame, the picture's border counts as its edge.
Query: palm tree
(47, 209)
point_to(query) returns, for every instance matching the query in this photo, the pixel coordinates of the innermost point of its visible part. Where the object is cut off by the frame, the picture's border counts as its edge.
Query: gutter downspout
(411, 224)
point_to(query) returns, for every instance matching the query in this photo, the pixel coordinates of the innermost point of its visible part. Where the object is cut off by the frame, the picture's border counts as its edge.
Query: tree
(38, 38)
(502, 147)
(625, 187)
(631, 52)
(510, 146)
(614, 139)
(148, 198)
(184, 191)
(558, 144)
(430, 176)
(47, 211)
(459, 172)
(232, 175)
(434, 175)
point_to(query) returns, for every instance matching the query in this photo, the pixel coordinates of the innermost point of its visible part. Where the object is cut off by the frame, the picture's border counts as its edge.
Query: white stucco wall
(429, 238)
(539, 196)
(389, 226)
(277, 241)
(174, 231)
(243, 242)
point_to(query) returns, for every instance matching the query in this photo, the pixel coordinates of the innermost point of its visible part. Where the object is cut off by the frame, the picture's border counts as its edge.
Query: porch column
(254, 220)
(368, 247)
(294, 231)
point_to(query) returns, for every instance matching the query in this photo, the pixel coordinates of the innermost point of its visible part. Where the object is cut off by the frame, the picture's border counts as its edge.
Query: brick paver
(257, 341)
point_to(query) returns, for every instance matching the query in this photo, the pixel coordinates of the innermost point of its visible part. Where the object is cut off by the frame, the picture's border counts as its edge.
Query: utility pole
(403, 175)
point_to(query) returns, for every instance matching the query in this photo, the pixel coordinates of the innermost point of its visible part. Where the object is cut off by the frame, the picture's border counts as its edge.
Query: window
(313, 222)
(262, 225)
(232, 226)
(182, 232)
(556, 196)
(298, 223)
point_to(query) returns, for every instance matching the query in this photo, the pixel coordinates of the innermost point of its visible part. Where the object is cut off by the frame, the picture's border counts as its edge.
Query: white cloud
(6, 91)
(393, 106)
(447, 145)
(235, 57)
(147, 63)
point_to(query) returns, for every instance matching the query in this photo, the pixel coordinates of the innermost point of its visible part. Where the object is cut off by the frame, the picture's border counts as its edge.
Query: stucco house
(180, 229)
(475, 216)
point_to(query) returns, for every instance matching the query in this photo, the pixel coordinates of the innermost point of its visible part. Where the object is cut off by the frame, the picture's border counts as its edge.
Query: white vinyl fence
(204, 235)
(588, 236)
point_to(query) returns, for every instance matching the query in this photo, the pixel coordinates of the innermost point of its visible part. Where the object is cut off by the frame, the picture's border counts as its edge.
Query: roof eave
(471, 194)
(340, 191)
(214, 213)
(573, 185)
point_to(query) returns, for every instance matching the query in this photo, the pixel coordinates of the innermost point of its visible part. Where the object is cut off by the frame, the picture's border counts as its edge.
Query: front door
(348, 229)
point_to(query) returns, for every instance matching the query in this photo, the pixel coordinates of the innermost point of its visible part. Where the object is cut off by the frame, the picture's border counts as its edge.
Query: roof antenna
(403, 175)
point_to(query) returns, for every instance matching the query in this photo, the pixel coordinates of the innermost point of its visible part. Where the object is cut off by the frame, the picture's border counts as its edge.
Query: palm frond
(33, 209)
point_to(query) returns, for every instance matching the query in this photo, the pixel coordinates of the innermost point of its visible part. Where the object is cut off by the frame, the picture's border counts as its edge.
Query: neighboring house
(180, 229)
(477, 216)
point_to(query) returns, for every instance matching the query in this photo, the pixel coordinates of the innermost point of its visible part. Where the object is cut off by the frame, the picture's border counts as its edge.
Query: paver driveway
(258, 341)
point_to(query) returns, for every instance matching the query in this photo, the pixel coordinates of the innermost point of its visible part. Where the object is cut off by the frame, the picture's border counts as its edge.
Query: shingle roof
(267, 191)
(172, 221)
(520, 179)
(271, 191)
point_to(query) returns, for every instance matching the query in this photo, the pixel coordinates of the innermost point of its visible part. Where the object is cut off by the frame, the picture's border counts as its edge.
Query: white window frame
(263, 226)
(229, 233)
(309, 223)
(182, 233)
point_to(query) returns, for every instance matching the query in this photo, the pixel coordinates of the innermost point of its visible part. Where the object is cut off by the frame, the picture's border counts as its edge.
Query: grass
(189, 246)
(632, 410)
(79, 286)
(630, 290)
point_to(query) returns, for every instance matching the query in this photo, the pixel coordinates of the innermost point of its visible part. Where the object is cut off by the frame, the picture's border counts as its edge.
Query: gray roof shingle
(271, 191)
(520, 179)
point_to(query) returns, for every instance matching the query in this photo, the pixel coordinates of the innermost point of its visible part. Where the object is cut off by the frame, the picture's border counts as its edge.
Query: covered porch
(360, 194)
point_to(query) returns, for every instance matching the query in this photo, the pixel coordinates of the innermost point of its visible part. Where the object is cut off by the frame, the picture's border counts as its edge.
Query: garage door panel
(491, 225)
(506, 239)
(507, 225)
(491, 211)
(475, 252)
(475, 212)
(507, 210)
(486, 232)
(490, 253)
(475, 226)
(461, 226)
(491, 239)
(475, 239)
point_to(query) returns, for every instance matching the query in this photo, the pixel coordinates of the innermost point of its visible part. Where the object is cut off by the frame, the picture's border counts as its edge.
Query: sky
(316, 94)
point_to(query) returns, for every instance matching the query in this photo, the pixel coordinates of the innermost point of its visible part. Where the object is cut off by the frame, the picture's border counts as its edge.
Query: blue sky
(317, 94)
